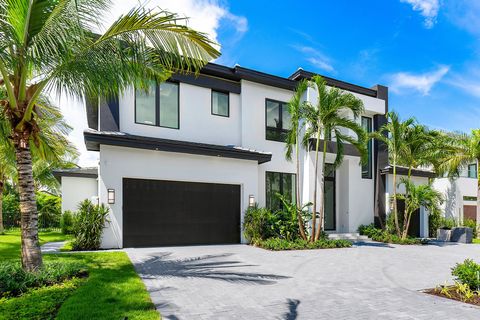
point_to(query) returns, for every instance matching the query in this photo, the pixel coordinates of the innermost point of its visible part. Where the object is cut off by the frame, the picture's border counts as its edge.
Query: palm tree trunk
(31, 254)
(314, 214)
(406, 224)
(322, 190)
(1, 208)
(301, 227)
(395, 210)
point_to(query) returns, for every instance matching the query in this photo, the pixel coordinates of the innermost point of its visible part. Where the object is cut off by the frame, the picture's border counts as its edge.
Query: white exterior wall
(76, 189)
(454, 190)
(117, 163)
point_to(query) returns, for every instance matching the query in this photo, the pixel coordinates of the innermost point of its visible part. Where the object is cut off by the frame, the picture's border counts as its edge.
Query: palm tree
(296, 108)
(51, 45)
(393, 135)
(462, 150)
(51, 150)
(416, 197)
(330, 115)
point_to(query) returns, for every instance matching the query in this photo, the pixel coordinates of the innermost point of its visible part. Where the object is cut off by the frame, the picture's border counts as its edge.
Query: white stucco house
(461, 194)
(181, 163)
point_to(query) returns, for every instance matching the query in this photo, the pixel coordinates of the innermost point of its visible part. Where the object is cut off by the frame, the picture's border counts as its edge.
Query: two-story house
(181, 162)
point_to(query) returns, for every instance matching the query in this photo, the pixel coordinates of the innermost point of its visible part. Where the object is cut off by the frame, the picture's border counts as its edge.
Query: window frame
(294, 191)
(157, 106)
(228, 103)
(468, 171)
(280, 130)
(369, 174)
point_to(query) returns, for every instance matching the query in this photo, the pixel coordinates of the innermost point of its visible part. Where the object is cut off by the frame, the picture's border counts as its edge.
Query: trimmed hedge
(380, 235)
(277, 244)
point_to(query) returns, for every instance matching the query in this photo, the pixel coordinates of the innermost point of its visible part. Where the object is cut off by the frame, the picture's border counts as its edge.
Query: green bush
(257, 223)
(380, 235)
(447, 223)
(467, 273)
(49, 210)
(368, 230)
(434, 223)
(11, 207)
(300, 244)
(14, 280)
(66, 222)
(469, 223)
(89, 223)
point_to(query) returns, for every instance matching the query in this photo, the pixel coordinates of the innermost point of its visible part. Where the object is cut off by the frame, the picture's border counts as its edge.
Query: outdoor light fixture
(251, 200)
(111, 196)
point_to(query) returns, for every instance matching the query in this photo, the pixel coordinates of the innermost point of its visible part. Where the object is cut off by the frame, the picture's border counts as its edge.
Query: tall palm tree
(462, 150)
(51, 45)
(50, 150)
(330, 116)
(296, 108)
(393, 135)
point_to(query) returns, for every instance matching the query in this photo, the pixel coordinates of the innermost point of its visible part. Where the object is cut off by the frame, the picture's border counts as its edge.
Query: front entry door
(329, 196)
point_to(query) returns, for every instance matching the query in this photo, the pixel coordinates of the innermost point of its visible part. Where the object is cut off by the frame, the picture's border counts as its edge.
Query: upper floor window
(277, 120)
(367, 167)
(472, 170)
(220, 104)
(158, 106)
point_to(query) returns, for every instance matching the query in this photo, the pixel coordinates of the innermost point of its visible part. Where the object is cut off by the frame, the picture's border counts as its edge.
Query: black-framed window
(159, 105)
(277, 120)
(220, 103)
(278, 182)
(367, 167)
(472, 170)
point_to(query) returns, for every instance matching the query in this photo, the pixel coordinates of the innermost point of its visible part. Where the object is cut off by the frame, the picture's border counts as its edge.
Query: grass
(113, 290)
(476, 241)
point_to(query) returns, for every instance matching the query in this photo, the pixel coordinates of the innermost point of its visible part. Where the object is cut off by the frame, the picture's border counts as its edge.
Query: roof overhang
(91, 173)
(403, 171)
(93, 140)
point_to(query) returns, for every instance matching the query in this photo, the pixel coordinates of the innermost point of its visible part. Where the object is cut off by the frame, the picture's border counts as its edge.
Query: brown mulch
(454, 295)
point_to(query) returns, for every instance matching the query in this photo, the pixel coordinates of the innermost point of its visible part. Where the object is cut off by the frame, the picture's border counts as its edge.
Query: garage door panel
(157, 212)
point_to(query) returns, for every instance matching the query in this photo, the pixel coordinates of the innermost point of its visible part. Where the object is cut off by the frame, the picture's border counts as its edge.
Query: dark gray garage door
(160, 213)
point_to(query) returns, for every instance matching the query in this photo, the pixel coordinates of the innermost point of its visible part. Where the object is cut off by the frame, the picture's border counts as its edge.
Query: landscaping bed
(277, 244)
(380, 235)
(452, 292)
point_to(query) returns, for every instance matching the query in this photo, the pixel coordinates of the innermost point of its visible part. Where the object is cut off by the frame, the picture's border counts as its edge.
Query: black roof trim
(403, 171)
(93, 140)
(76, 172)
(302, 74)
(265, 78)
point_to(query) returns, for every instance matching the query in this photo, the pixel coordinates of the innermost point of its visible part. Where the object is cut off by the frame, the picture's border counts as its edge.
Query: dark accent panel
(414, 228)
(264, 78)
(93, 140)
(162, 213)
(415, 173)
(380, 154)
(302, 74)
(91, 107)
(349, 150)
(109, 114)
(206, 81)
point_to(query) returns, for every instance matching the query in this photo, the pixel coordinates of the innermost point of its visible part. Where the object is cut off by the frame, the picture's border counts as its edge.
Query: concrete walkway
(52, 247)
(368, 281)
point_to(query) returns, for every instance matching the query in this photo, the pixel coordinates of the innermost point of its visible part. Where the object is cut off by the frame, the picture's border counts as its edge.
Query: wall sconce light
(251, 200)
(111, 196)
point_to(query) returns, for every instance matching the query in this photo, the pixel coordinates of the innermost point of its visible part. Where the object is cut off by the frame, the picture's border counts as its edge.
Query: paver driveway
(370, 281)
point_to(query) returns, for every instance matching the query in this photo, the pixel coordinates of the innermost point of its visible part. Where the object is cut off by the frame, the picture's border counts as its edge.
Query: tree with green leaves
(393, 135)
(415, 197)
(51, 45)
(460, 151)
(329, 117)
(296, 108)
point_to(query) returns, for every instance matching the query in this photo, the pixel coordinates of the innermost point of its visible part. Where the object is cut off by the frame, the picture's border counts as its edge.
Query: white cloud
(427, 8)
(422, 83)
(316, 58)
(465, 14)
(203, 15)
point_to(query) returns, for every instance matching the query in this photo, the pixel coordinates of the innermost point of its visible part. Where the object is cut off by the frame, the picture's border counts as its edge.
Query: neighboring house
(77, 184)
(181, 162)
(460, 194)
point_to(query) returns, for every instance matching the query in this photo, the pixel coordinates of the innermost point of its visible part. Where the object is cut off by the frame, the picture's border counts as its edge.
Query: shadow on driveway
(217, 267)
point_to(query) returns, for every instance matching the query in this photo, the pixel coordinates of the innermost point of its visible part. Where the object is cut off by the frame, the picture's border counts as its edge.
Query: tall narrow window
(472, 170)
(279, 183)
(158, 106)
(145, 105)
(220, 104)
(277, 120)
(367, 167)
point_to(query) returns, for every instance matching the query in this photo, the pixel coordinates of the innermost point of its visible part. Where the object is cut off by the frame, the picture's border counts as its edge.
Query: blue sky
(426, 51)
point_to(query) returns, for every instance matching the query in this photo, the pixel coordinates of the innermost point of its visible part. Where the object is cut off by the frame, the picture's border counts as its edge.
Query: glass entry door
(329, 198)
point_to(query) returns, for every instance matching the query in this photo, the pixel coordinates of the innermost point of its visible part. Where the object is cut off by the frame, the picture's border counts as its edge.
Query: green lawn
(476, 241)
(113, 290)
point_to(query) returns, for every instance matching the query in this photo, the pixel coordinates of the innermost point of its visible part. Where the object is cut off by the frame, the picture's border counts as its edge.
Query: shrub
(11, 208)
(66, 222)
(14, 280)
(447, 223)
(49, 210)
(380, 235)
(88, 227)
(467, 273)
(469, 223)
(300, 244)
(434, 223)
(257, 223)
(368, 230)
